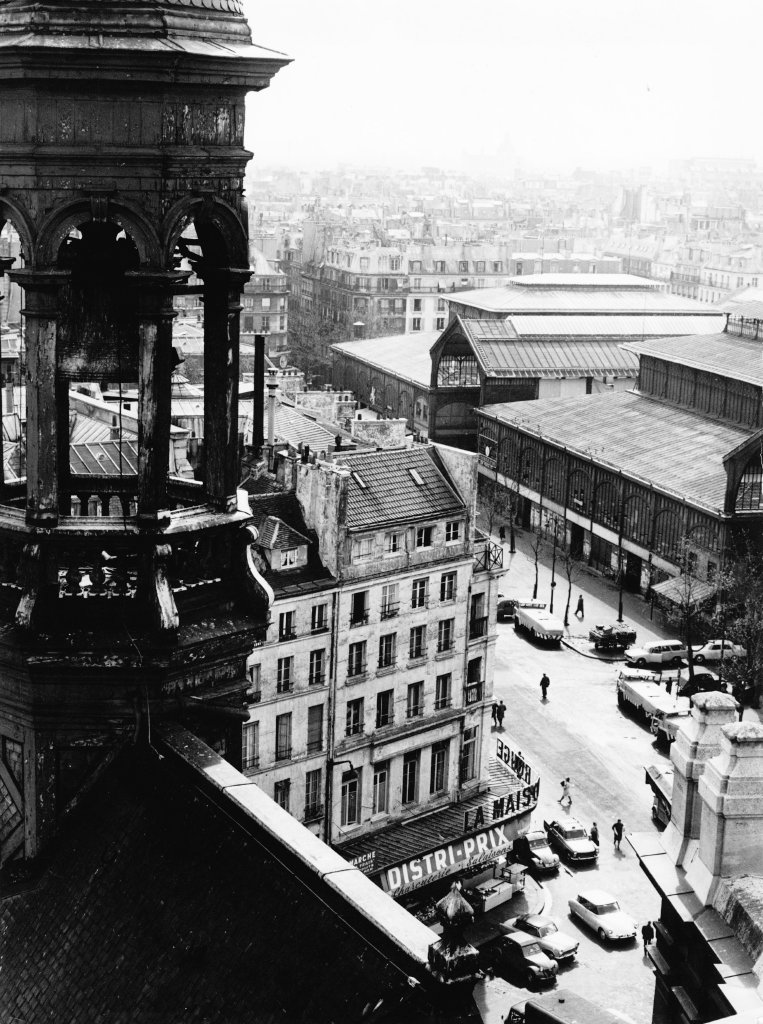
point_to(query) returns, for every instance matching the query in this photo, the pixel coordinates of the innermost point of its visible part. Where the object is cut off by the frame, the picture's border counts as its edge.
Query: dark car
(505, 608)
(534, 851)
(518, 955)
(571, 839)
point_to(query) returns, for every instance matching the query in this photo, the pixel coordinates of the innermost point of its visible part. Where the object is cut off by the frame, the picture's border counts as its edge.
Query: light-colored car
(658, 652)
(572, 841)
(556, 944)
(601, 912)
(717, 650)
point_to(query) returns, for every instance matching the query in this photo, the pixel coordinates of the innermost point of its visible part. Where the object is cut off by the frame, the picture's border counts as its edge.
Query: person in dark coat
(501, 713)
(545, 682)
(579, 611)
(595, 833)
(647, 934)
(502, 534)
(617, 830)
(494, 712)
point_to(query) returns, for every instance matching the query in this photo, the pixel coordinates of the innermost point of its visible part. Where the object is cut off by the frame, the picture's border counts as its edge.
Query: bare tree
(688, 612)
(740, 619)
(536, 547)
(572, 568)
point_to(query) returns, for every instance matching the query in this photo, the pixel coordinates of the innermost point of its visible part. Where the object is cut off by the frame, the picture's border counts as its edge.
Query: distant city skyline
(489, 86)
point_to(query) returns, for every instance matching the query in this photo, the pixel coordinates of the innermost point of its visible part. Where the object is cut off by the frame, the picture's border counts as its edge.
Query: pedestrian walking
(545, 682)
(502, 534)
(494, 713)
(595, 833)
(566, 795)
(500, 713)
(617, 830)
(647, 934)
(579, 611)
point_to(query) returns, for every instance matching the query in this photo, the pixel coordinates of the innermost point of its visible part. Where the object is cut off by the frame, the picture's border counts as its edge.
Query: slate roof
(291, 427)
(555, 359)
(404, 355)
(108, 458)
(275, 533)
(284, 508)
(728, 355)
(156, 907)
(391, 494)
(677, 450)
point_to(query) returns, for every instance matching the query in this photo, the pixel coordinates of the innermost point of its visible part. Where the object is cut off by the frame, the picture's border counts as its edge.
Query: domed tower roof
(217, 21)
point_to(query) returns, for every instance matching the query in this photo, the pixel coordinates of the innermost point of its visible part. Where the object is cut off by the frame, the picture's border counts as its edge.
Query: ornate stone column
(41, 294)
(222, 306)
(698, 740)
(153, 293)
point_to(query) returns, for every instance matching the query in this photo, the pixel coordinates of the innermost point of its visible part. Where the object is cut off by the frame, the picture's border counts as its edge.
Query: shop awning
(436, 843)
(660, 781)
(685, 589)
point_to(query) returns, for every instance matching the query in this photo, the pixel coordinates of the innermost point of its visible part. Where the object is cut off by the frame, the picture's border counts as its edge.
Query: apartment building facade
(265, 302)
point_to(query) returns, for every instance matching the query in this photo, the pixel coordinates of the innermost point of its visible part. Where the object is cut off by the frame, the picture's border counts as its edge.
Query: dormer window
(289, 557)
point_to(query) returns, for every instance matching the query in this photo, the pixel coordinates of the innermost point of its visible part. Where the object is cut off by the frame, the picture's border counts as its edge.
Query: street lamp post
(555, 521)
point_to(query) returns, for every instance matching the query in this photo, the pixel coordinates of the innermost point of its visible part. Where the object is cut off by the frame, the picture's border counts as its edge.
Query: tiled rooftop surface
(729, 354)
(383, 490)
(156, 908)
(285, 508)
(675, 449)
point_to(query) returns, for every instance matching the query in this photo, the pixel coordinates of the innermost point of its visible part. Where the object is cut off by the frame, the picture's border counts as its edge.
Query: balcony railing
(478, 627)
(313, 811)
(358, 669)
(444, 646)
(387, 662)
(316, 679)
(354, 729)
(473, 693)
(319, 627)
(313, 746)
(359, 619)
(251, 762)
(283, 753)
(287, 634)
(382, 721)
(414, 710)
(285, 686)
(389, 611)
(488, 557)
(442, 703)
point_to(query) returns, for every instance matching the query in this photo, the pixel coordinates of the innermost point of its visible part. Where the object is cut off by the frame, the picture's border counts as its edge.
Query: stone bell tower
(121, 154)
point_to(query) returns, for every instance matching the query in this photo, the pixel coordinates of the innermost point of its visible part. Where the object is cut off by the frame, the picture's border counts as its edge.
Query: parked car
(534, 851)
(717, 650)
(516, 954)
(702, 681)
(571, 839)
(505, 608)
(658, 652)
(556, 944)
(601, 912)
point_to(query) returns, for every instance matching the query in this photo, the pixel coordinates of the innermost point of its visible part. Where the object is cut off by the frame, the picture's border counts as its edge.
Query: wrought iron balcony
(478, 627)
(473, 693)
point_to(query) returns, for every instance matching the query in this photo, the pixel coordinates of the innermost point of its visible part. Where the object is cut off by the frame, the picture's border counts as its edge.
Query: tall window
(356, 662)
(419, 592)
(390, 600)
(452, 531)
(393, 543)
(364, 548)
(418, 643)
(469, 755)
(385, 708)
(283, 737)
(284, 678)
(281, 791)
(387, 645)
(415, 701)
(410, 778)
(251, 745)
(445, 635)
(381, 788)
(317, 676)
(319, 618)
(424, 536)
(448, 586)
(442, 692)
(438, 775)
(286, 628)
(315, 728)
(354, 719)
(359, 608)
(350, 798)
(313, 791)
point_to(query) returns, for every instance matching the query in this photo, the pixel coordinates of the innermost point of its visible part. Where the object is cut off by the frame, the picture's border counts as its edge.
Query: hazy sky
(598, 83)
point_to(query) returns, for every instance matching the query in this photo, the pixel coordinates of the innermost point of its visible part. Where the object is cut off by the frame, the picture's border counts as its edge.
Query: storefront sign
(503, 806)
(465, 853)
(514, 760)
(366, 862)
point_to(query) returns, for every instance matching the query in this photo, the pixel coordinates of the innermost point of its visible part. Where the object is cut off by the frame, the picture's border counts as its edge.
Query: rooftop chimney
(272, 388)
